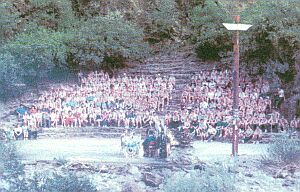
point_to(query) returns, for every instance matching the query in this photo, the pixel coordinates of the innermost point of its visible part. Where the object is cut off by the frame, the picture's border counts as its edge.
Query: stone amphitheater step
(109, 132)
(179, 66)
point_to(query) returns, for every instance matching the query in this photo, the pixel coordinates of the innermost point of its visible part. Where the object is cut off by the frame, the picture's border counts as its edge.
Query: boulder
(151, 179)
(104, 169)
(200, 166)
(288, 182)
(249, 174)
(282, 174)
(81, 167)
(133, 170)
(132, 187)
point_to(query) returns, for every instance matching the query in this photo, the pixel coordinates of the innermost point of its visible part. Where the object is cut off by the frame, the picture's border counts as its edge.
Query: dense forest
(40, 38)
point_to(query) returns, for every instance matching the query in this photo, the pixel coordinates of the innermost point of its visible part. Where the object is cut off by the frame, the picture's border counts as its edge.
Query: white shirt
(203, 104)
(281, 93)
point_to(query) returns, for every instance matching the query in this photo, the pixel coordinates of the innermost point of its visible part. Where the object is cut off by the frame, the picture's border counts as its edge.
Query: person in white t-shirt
(280, 98)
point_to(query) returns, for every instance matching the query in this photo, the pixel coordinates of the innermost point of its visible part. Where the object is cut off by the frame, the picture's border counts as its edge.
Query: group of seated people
(124, 101)
(206, 108)
(100, 101)
(23, 132)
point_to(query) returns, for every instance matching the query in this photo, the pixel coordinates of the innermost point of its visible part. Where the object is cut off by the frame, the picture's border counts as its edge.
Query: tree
(8, 20)
(107, 38)
(211, 39)
(50, 34)
(273, 41)
(36, 52)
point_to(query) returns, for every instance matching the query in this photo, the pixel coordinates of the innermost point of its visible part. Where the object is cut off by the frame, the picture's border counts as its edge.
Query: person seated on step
(25, 131)
(21, 110)
(54, 118)
(257, 135)
(70, 119)
(283, 125)
(211, 133)
(33, 132)
(294, 124)
(248, 134)
(202, 127)
(149, 139)
(18, 132)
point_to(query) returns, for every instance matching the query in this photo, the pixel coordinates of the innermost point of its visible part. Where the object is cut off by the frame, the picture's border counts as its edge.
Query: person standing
(279, 98)
(18, 132)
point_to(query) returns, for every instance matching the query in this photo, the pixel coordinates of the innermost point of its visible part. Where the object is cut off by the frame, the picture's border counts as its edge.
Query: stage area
(108, 150)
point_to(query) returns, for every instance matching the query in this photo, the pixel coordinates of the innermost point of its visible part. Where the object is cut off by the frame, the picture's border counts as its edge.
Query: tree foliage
(63, 182)
(47, 34)
(211, 179)
(106, 37)
(8, 20)
(164, 16)
(210, 37)
(274, 38)
(282, 152)
(268, 48)
(38, 36)
(11, 168)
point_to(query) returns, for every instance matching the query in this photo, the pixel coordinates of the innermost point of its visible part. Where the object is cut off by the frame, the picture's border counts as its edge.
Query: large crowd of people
(125, 101)
(206, 107)
(100, 101)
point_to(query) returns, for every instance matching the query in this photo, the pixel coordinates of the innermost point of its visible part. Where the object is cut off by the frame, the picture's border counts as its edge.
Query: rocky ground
(102, 162)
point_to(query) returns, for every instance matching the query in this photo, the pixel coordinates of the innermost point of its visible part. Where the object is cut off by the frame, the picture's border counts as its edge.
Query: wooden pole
(236, 80)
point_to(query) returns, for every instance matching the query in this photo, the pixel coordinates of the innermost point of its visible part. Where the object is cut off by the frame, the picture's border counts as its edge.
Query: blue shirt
(21, 110)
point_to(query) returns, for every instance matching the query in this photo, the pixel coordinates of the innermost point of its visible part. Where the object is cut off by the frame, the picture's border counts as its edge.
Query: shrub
(212, 179)
(283, 151)
(12, 176)
(68, 182)
(11, 169)
(208, 51)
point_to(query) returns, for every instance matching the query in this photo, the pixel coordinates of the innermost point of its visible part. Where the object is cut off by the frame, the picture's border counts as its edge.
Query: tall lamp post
(237, 27)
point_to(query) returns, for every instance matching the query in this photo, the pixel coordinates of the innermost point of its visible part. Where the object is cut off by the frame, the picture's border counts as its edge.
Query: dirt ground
(104, 149)
(96, 152)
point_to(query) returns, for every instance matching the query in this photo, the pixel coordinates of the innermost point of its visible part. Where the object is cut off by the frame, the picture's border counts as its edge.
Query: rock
(133, 170)
(43, 162)
(249, 174)
(131, 187)
(282, 174)
(153, 180)
(297, 174)
(288, 183)
(104, 169)
(200, 166)
(112, 176)
(81, 167)
(233, 170)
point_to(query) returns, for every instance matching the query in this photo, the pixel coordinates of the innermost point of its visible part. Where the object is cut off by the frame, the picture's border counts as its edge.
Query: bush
(12, 176)
(283, 151)
(208, 52)
(11, 169)
(69, 182)
(212, 179)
